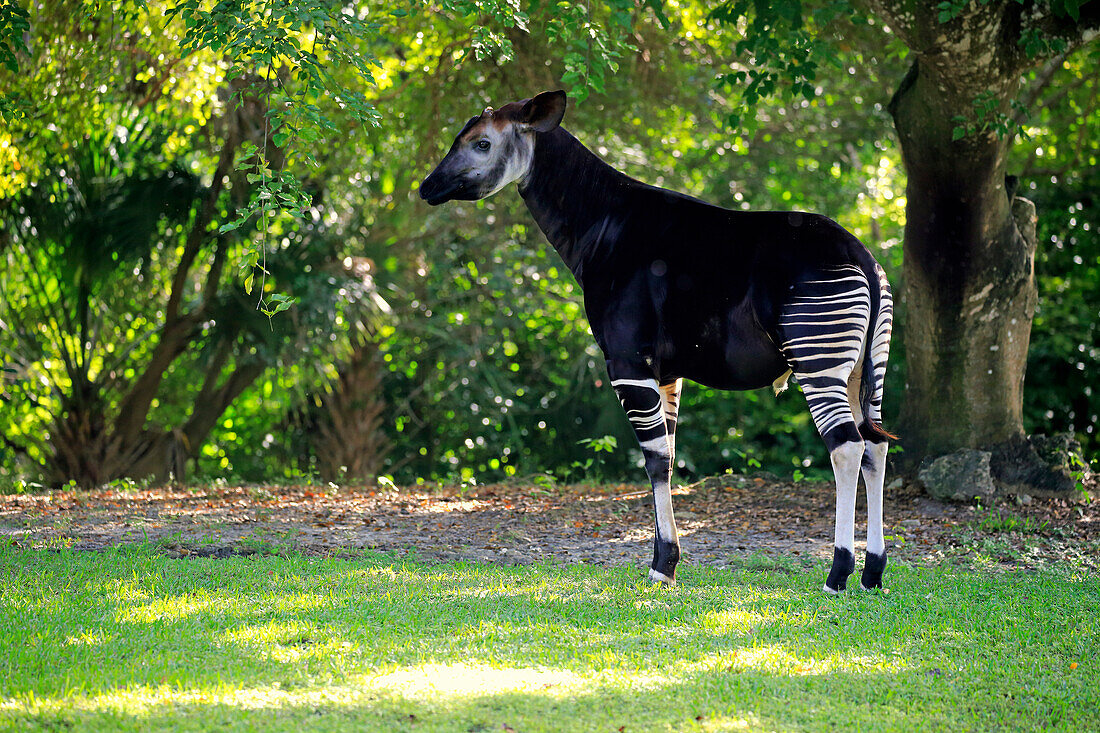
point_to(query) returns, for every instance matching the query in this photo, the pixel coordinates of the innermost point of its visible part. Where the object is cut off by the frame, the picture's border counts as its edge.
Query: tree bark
(969, 284)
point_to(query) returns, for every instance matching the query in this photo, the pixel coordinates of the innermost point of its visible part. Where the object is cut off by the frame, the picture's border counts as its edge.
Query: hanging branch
(251, 37)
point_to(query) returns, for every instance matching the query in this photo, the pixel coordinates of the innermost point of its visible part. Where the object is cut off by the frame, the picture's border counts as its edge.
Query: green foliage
(592, 467)
(606, 444)
(781, 48)
(289, 53)
(593, 44)
(332, 115)
(1058, 164)
(988, 117)
(1038, 44)
(81, 242)
(1001, 521)
(14, 22)
(497, 367)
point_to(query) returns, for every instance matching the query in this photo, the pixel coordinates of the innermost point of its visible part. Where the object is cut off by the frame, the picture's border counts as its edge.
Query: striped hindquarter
(829, 328)
(823, 329)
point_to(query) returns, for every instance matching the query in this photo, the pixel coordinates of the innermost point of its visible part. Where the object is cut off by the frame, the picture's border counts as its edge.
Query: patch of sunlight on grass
(292, 631)
(149, 701)
(290, 641)
(96, 637)
(388, 572)
(489, 592)
(779, 661)
(123, 590)
(726, 722)
(435, 683)
(458, 680)
(179, 607)
(172, 608)
(735, 621)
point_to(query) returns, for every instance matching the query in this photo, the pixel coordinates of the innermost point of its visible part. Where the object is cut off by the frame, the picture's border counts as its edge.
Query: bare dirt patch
(721, 520)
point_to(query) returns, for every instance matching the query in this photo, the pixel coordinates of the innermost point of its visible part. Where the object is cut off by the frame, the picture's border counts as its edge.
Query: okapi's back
(767, 250)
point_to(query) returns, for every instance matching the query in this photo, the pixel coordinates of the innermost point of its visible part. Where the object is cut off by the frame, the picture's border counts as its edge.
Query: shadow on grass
(129, 639)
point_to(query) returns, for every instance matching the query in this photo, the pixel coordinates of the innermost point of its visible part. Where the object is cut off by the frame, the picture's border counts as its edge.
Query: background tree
(969, 242)
(485, 368)
(117, 319)
(968, 281)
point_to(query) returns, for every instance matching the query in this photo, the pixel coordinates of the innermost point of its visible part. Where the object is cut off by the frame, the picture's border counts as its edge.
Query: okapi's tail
(876, 352)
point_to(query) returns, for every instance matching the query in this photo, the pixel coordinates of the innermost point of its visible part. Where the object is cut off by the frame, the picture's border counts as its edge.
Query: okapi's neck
(574, 197)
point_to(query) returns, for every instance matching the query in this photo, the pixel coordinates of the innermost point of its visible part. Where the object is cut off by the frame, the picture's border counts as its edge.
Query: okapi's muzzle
(435, 189)
(443, 185)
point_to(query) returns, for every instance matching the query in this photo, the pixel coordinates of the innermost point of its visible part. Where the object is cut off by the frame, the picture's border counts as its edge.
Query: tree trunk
(347, 436)
(969, 285)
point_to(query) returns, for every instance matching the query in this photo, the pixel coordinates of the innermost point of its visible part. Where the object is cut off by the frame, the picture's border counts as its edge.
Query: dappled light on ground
(133, 640)
(721, 520)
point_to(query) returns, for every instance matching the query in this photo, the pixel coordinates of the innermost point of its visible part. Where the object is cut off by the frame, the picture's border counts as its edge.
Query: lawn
(130, 639)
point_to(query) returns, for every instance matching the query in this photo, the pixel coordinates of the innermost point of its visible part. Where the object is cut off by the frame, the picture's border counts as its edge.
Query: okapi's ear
(543, 112)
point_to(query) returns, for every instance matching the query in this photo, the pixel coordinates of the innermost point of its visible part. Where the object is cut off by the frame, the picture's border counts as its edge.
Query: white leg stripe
(846, 459)
(874, 477)
(662, 503)
(645, 419)
(657, 445)
(651, 383)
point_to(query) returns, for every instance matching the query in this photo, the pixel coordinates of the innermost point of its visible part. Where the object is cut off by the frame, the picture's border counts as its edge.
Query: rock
(1023, 499)
(1050, 466)
(960, 476)
(895, 484)
(1063, 453)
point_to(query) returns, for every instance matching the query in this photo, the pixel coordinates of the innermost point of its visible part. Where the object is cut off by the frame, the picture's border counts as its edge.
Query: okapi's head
(493, 149)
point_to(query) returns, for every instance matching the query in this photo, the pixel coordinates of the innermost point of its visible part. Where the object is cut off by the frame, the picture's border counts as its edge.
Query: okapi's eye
(482, 144)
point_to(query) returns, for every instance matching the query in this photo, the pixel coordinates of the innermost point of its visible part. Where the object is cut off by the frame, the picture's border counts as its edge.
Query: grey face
(491, 151)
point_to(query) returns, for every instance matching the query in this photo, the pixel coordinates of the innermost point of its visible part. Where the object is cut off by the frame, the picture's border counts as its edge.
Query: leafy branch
(301, 41)
(588, 36)
(14, 22)
(988, 118)
(779, 41)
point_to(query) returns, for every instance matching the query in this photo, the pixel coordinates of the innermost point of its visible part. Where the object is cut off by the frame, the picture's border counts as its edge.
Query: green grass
(129, 639)
(1009, 522)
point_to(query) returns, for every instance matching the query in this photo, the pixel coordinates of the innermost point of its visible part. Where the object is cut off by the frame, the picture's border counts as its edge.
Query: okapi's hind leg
(874, 476)
(823, 327)
(874, 457)
(647, 408)
(846, 454)
(873, 468)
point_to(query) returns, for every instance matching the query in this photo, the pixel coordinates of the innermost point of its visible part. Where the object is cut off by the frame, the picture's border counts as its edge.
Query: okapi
(675, 288)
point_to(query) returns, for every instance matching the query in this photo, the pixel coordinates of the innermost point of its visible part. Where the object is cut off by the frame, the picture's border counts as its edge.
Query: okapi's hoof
(661, 578)
(844, 564)
(872, 571)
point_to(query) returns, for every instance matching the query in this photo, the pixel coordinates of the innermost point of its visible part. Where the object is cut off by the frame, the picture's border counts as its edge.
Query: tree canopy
(184, 161)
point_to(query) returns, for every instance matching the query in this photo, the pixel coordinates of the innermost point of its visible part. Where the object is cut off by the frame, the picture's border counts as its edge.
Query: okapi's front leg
(670, 403)
(645, 405)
